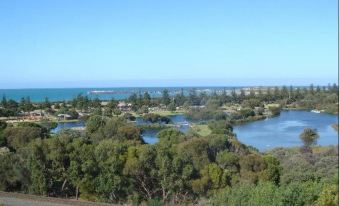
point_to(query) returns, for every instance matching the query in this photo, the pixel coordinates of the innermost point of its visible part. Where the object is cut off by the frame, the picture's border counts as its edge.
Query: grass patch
(161, 113)
(202, 129)
(271, 105)
(167, 113)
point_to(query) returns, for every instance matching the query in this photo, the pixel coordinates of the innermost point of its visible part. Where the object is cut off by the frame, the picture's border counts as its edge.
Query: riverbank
(322, 110)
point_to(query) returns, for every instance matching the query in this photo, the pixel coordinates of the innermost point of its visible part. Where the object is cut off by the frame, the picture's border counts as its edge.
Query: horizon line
(192, 86)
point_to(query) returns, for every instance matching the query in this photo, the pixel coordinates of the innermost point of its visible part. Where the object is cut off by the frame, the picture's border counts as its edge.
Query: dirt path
(17, 199)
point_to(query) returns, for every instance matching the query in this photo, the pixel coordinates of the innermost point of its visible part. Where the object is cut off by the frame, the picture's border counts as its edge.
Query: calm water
(284, 130)
(38, 95)
(68, 125)
(150, 135)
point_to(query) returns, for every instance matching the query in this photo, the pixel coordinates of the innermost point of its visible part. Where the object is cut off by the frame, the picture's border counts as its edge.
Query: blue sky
(79, 43)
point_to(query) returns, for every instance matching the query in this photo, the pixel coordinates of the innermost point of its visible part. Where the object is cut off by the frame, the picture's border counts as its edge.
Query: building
(123, 106)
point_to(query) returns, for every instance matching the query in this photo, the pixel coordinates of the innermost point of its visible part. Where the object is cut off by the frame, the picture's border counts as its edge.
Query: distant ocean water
(60, 94)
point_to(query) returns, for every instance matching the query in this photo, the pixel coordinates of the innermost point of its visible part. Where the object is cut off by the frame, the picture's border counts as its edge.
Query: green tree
(309, 137)
(94, 123)
(147, 99)
(273, 169)
(46, 104)
(17, 137)
(172, 107)
(112, 104)
(228, 160)
(328, 197)
(165, 97)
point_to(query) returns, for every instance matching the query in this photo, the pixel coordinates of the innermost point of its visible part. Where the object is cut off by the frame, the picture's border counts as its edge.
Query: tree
(112, 104)
(4, 102)
(46, 104)
(140, 163)
(3, 126)
(274, 110)
(117, 112)
(328, 197)
(26, 105)
(74, 114)
(165, 97)
(193, 97)
(147, 99)
(20, 136)
(96, 103)
(83, 169)
(171, 107)
(276, 93)
(211, 178)
(309, 137)
(242, 94)
(108, 112)
(110, 182)
(273, 169)
(94, 123)
(311, 89)
(228, 160)
(220, 127)
(234, 95)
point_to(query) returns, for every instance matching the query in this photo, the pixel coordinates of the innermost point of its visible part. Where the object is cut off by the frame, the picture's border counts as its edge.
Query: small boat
(315, 111)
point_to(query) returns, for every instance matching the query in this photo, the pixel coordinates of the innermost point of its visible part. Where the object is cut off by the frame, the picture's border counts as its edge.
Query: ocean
(61, 94)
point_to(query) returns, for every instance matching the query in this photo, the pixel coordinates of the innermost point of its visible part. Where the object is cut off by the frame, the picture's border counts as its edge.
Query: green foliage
(165, 97)
(228, 160)
(3, 126)
(172, 107)
(154, 202)
(274, 110)
(273, 169)
(270, 194)
(220, 127)
(328, 196)
(246, 112)
(309, 136)
(17, 137)
(155, 118)
(94, 123)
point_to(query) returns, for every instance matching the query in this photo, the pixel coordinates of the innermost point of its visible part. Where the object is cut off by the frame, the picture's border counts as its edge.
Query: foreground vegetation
(110, 162)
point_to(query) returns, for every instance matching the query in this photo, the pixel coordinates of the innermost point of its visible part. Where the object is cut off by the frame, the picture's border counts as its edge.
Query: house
(64, 116)
(123, 106)
(36, 113)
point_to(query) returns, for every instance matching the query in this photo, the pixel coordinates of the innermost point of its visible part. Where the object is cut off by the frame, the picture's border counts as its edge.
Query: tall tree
(165, 97)
(147, 99)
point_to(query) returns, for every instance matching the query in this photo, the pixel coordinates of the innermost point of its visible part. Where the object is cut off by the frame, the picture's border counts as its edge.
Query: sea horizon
(106, 93)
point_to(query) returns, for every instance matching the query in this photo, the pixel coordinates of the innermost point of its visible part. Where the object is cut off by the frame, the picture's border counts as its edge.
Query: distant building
(64, 116)
(123, 106)
(36, 113)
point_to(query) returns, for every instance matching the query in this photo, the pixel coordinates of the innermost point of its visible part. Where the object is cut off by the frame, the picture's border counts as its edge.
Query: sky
(82, 43)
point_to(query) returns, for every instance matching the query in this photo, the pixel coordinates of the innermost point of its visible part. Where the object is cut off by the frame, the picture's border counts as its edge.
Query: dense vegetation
(109, 161)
